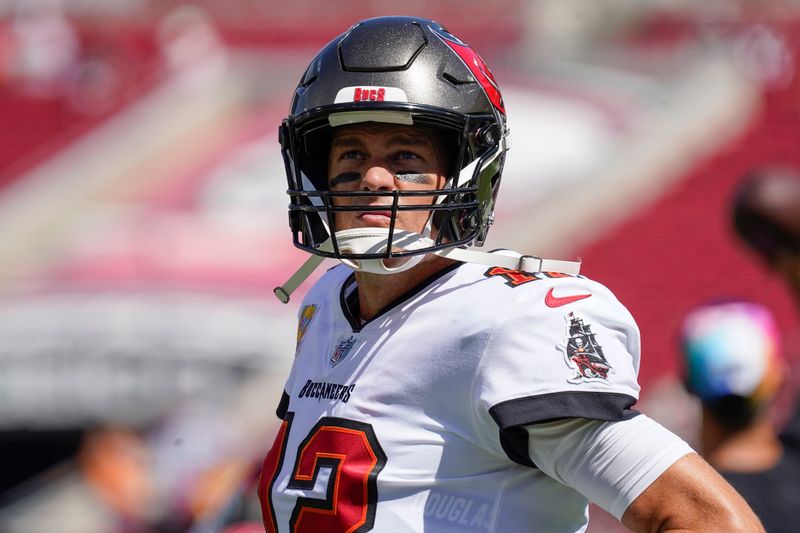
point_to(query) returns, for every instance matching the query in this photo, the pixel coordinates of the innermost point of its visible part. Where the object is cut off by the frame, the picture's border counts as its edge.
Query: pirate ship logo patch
(306, 316)
(342, 350)
(583, 353)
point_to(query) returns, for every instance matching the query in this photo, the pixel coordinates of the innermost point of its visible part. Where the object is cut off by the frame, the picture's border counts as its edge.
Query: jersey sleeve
(610, 463)
(308, 312)
(566, 348)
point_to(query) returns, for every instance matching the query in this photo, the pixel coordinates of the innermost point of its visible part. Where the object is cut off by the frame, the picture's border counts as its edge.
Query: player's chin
(396, 262)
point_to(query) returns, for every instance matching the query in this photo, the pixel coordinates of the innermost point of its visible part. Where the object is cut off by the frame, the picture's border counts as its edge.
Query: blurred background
(143, 217)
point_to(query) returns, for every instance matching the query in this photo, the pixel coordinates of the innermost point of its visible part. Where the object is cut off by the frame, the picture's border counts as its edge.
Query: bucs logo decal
(583, 353)
(476, 65)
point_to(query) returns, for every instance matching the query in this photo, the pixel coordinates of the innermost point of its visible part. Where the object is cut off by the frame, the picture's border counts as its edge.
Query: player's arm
(690, 496)
(641, 473)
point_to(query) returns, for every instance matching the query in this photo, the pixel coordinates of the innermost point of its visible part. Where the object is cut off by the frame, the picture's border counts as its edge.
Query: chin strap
(284, 292)
(374, 240)
(524, 263)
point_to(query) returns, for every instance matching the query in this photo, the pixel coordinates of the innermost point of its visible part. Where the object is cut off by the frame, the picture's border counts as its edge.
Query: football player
(437, 388)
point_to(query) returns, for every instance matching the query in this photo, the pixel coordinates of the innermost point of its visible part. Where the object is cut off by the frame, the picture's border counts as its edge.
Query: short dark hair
(733, 412)
(761, 221)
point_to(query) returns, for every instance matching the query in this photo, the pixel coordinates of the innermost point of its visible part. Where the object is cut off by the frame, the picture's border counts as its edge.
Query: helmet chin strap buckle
(530, 263)
(524, 263)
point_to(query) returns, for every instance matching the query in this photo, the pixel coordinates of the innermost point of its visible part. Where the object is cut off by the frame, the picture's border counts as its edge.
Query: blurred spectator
(41, 48)
(766, 215)
(762, 52)
(115, 462)
(191, 45)
(734, 365)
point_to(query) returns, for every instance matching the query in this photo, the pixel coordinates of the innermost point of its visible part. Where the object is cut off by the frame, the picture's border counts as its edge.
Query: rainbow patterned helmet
(732, 349)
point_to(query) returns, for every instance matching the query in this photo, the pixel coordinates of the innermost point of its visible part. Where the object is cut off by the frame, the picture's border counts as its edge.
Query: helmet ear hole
(315, 155)
(487, 137)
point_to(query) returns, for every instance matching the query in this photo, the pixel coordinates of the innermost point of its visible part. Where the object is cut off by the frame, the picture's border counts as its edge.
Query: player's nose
(377, 177)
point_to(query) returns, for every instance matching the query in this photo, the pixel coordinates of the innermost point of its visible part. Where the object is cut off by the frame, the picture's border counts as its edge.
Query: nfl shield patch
(342, 350)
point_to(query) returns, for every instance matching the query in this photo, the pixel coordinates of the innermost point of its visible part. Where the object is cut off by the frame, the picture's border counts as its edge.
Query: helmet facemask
(459, 213)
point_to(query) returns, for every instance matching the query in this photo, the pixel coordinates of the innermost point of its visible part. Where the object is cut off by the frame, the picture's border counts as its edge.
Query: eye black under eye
(344, 177)
(413, 177)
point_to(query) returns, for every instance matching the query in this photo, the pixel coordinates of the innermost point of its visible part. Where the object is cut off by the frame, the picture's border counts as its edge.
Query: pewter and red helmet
(402, 70)
(410, 71)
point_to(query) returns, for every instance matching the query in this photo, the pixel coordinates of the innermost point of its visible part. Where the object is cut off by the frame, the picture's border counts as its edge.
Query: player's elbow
(725, 517)
(730, 515)
(691, 496)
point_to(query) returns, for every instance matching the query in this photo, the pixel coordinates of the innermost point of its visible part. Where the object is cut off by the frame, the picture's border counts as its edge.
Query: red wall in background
(681, 251)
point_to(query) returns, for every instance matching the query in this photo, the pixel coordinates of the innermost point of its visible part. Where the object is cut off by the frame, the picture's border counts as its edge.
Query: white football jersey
(414, 420)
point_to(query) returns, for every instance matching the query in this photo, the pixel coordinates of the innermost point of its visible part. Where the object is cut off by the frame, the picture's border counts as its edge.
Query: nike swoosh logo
(555, 301)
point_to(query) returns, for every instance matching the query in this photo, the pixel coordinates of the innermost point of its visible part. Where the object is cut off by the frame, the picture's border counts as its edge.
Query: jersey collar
(348, 297)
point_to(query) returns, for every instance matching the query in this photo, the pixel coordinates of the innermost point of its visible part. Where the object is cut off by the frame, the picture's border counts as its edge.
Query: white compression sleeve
(610, 463)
